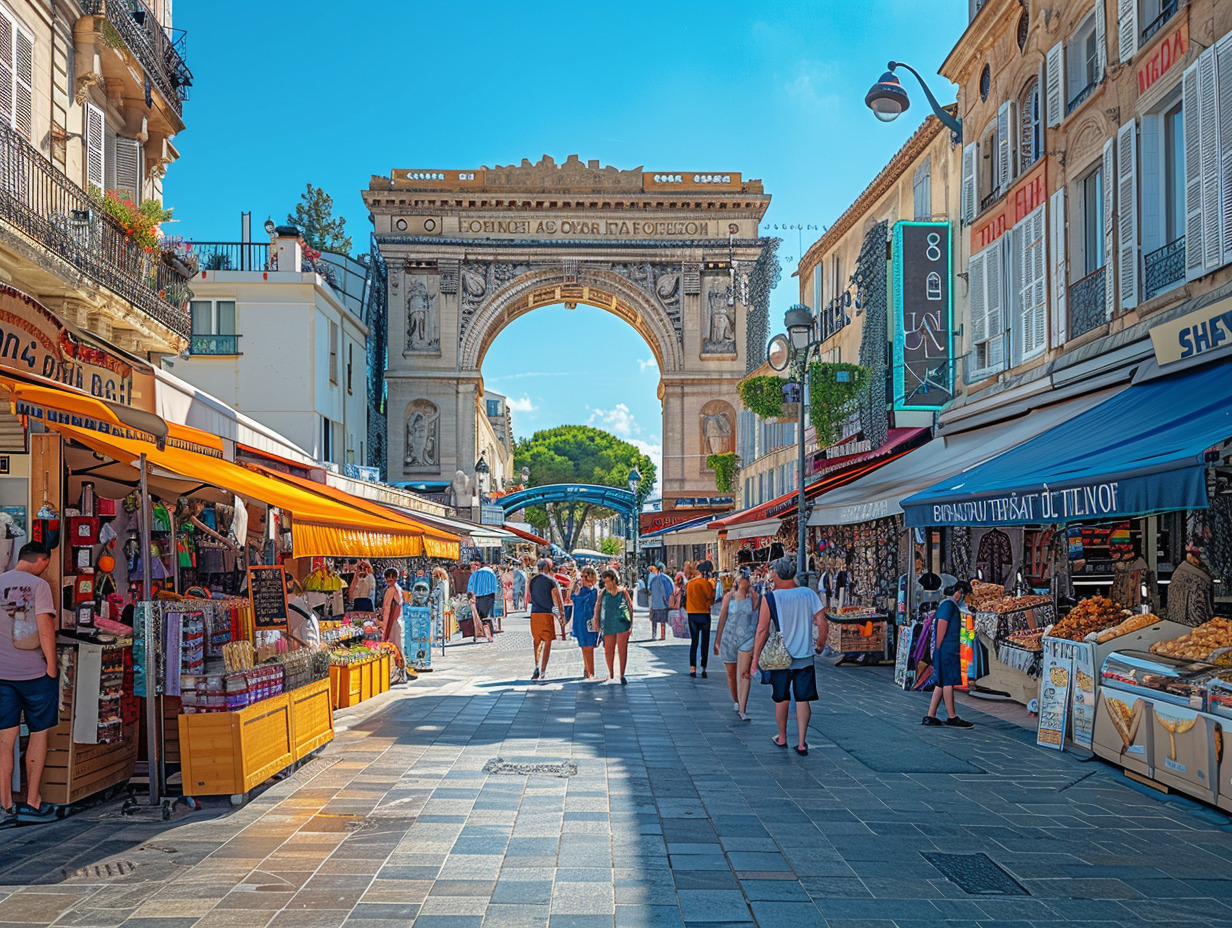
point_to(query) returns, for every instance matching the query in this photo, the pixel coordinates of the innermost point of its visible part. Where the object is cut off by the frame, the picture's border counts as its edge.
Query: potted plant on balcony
(140, 222)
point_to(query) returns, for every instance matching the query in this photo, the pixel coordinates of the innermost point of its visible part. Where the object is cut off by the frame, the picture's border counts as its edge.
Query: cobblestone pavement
(674, 812)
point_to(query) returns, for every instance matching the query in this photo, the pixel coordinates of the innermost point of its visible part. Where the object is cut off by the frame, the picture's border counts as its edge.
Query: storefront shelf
(312, 718)
(351, 684)
(232, 752)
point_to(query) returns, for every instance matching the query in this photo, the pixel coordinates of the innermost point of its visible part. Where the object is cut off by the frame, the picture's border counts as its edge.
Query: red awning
(836, 473)
(527, 535)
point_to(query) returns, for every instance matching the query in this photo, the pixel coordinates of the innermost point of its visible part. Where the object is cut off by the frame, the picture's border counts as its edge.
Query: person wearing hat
(481, 588)
(946, 658)
(660, 588)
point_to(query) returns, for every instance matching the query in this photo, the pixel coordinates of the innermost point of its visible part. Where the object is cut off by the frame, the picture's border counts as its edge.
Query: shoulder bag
(774, 655)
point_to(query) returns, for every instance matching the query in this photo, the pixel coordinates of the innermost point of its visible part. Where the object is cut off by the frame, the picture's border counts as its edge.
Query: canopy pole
(153, 748)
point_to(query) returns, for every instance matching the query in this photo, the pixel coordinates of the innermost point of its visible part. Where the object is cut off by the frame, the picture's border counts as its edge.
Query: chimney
(288, 256)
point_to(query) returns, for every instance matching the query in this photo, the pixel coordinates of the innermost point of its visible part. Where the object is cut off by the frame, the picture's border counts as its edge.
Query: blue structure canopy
(1142, 451)
(617, 498)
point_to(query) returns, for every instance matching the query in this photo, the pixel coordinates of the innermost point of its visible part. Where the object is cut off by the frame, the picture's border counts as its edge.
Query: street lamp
(482, 470)
(798, 350)
(635, 480)
(888, 100)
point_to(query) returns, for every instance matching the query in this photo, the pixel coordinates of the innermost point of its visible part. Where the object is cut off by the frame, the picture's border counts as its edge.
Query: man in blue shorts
(28, 682)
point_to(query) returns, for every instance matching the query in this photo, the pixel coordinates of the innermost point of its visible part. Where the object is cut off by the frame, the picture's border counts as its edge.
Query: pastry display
(1198, 644)
(1124, 719)
(1133, 624)
(1030, 640)
(991, 597)
(1091, 615)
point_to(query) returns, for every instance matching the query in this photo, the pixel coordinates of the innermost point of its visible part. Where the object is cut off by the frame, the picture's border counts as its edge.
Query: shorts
(658, 616)
(802, 681)
(948, 667)
(542, 627)
(485, 604)
(362, 605)
(39, 699)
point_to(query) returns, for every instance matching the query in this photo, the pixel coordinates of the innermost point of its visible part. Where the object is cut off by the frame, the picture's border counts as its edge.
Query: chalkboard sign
(267, 589)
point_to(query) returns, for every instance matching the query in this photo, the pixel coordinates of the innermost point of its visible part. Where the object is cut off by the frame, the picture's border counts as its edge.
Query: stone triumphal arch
(676, 255)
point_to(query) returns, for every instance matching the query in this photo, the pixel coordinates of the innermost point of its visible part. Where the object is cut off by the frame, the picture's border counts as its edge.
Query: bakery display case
(1171, 680)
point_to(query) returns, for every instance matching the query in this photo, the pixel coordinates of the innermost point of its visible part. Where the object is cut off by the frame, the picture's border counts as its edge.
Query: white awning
(879, 495)
(759, 529)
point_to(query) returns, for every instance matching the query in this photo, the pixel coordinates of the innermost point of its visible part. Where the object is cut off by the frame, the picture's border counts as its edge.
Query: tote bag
(679, 620)
(774, 654)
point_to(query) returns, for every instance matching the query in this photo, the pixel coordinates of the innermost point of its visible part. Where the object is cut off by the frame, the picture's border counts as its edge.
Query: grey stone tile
(713, 905)
(515, 916)
(524, 892)
(648, 916)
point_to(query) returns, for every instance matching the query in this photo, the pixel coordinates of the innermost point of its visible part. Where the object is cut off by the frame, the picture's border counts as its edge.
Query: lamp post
(799, 324)
(482, 470)
(888, 100)
(635, 480)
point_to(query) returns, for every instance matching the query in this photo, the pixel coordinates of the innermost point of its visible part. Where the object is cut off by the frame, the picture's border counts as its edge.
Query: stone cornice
(980, 35)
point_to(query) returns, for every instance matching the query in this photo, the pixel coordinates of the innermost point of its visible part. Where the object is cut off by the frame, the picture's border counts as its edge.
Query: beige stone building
(91, 96)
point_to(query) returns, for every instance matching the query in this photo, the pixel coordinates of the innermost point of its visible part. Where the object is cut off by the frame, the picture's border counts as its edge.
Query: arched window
(1031, 130)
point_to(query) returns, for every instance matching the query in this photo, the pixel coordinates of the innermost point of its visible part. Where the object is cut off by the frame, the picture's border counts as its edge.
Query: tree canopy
(314, 217)
(578, 454)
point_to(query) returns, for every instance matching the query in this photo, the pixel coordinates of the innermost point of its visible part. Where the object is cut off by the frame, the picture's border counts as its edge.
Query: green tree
(611, 546)
(314, 217)
(578, 454)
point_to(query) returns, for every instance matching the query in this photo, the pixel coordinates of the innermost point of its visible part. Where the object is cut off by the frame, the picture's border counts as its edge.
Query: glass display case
(1163, 679)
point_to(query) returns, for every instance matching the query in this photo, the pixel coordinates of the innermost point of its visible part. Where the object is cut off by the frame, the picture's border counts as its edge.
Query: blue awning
(1142, 451)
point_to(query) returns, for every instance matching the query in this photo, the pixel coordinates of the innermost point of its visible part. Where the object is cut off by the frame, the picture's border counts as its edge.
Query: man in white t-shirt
(800, 614)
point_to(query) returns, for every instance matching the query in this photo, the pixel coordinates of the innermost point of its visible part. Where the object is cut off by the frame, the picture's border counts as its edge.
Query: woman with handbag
(615, 611)
(734, 640)
(586, 620)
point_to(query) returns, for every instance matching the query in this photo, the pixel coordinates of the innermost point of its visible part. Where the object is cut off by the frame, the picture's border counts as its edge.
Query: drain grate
(976, 874)
(562, 769)
(111, 870)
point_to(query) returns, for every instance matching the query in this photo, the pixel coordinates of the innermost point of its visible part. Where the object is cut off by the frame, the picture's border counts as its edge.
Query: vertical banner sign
(1084, 694)
(1054, 693)
(267, 589)
(417, 635)
(923, 316)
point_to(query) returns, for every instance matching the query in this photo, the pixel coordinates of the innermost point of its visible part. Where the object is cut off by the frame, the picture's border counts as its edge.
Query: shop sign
(655, 521)
(1067, 693)
(923, 316)
(1171, 51)
(491, 515)
(1028, 195)
(864, 512)
(1038, 507)
(1193, 334)
(35, 343)
(702, 502)
(267, 591)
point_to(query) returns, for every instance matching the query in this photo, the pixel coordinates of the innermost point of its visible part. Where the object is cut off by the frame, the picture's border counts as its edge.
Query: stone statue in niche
(422, 434)
(719, 335)
(717, 434)
(423, 331)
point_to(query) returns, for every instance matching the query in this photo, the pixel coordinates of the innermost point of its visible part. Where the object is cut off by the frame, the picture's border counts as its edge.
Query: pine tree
(314, 217)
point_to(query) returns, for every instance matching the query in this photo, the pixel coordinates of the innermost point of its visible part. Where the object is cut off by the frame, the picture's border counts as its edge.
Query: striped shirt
(483, 582)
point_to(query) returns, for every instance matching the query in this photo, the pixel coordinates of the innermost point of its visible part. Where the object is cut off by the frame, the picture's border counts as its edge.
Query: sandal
(802, 751)
(777, 742)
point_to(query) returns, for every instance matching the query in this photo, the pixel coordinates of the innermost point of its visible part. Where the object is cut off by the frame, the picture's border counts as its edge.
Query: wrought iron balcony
(1080, 96)
(1166, 11)
(1086, 301)
(232, 256)
(214, 344)
(42, 202)
(1164, 268)
(161, 55)
(989, 200)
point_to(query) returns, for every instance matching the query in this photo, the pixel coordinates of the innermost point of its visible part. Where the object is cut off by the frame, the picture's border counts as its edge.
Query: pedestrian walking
(28, 684)
(519, 587)
(734, 640)
(546, 604)
(660, 587)
(699, 600)
(363, 588)
(615, 609)
(947, 623)
(565, 618)
(801, 618)
(482, 588)
(391, 619)
(585, 619)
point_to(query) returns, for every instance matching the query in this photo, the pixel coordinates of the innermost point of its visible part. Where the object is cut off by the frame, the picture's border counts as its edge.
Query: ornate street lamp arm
(951, 123)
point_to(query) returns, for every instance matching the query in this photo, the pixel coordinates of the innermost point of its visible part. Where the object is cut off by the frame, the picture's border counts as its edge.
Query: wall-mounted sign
(35, 343)
(923, 316)
(1027, 194)
(1192, 334)
(1167, 54)
(654, 521)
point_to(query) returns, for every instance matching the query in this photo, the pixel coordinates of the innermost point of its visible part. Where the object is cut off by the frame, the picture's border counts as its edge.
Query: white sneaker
(736, 706)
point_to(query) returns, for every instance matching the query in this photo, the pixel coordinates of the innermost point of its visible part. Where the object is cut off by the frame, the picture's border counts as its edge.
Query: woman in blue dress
(946, 660)
(585, 622)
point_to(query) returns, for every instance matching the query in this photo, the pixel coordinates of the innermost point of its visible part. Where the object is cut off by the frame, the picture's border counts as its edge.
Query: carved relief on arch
(717, 424)
(422, 443)
(1087, 140)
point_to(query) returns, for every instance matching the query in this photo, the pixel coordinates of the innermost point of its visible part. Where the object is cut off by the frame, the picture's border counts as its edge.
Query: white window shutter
(970, 193)
(1111, 189)
(1054, 95)
(996, 307)
(1208, 127)
(1033, 311)
(1005, 128)
(128, 156)
(1127, 215)
(7, 30)
(1223, 61)
(1101, 40)
(1127, 29)
(1060, 271)
(977, 300)
(1193, 173)
(96, 127)
(23, 84)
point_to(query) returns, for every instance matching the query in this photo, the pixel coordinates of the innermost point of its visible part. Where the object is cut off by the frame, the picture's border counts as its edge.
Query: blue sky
(285, 94)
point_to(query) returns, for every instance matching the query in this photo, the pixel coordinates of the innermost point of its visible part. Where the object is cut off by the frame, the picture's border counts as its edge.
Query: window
(494, 409)
(1030, 126)
(1173, 171)
(333, 352)
(16, 75)
(986, 170)
(1162, 196)
(213, 317)
(922, 188)
(350, 364)
(1154, 14)
(986, 279)
(327, 440)
(1028, 289)
(1092, 221)
(1024, 28)
(1086, 58)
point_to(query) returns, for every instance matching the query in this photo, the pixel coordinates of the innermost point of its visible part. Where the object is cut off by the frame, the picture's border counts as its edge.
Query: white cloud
(644, 363)
(654, 451)
(618, 420)
(522, 404)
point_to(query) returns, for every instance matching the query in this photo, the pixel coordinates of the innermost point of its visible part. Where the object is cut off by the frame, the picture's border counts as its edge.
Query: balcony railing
(231, 256)
(161, 55)
(1164, 267)
(990, 199)
(1087, 307)
(1166, 12)
(44, 204)
(214, 344)
(1081, 95)
(345, 275)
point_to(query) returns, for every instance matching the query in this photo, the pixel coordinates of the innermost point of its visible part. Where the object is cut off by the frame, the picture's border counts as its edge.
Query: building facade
(243, 319)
